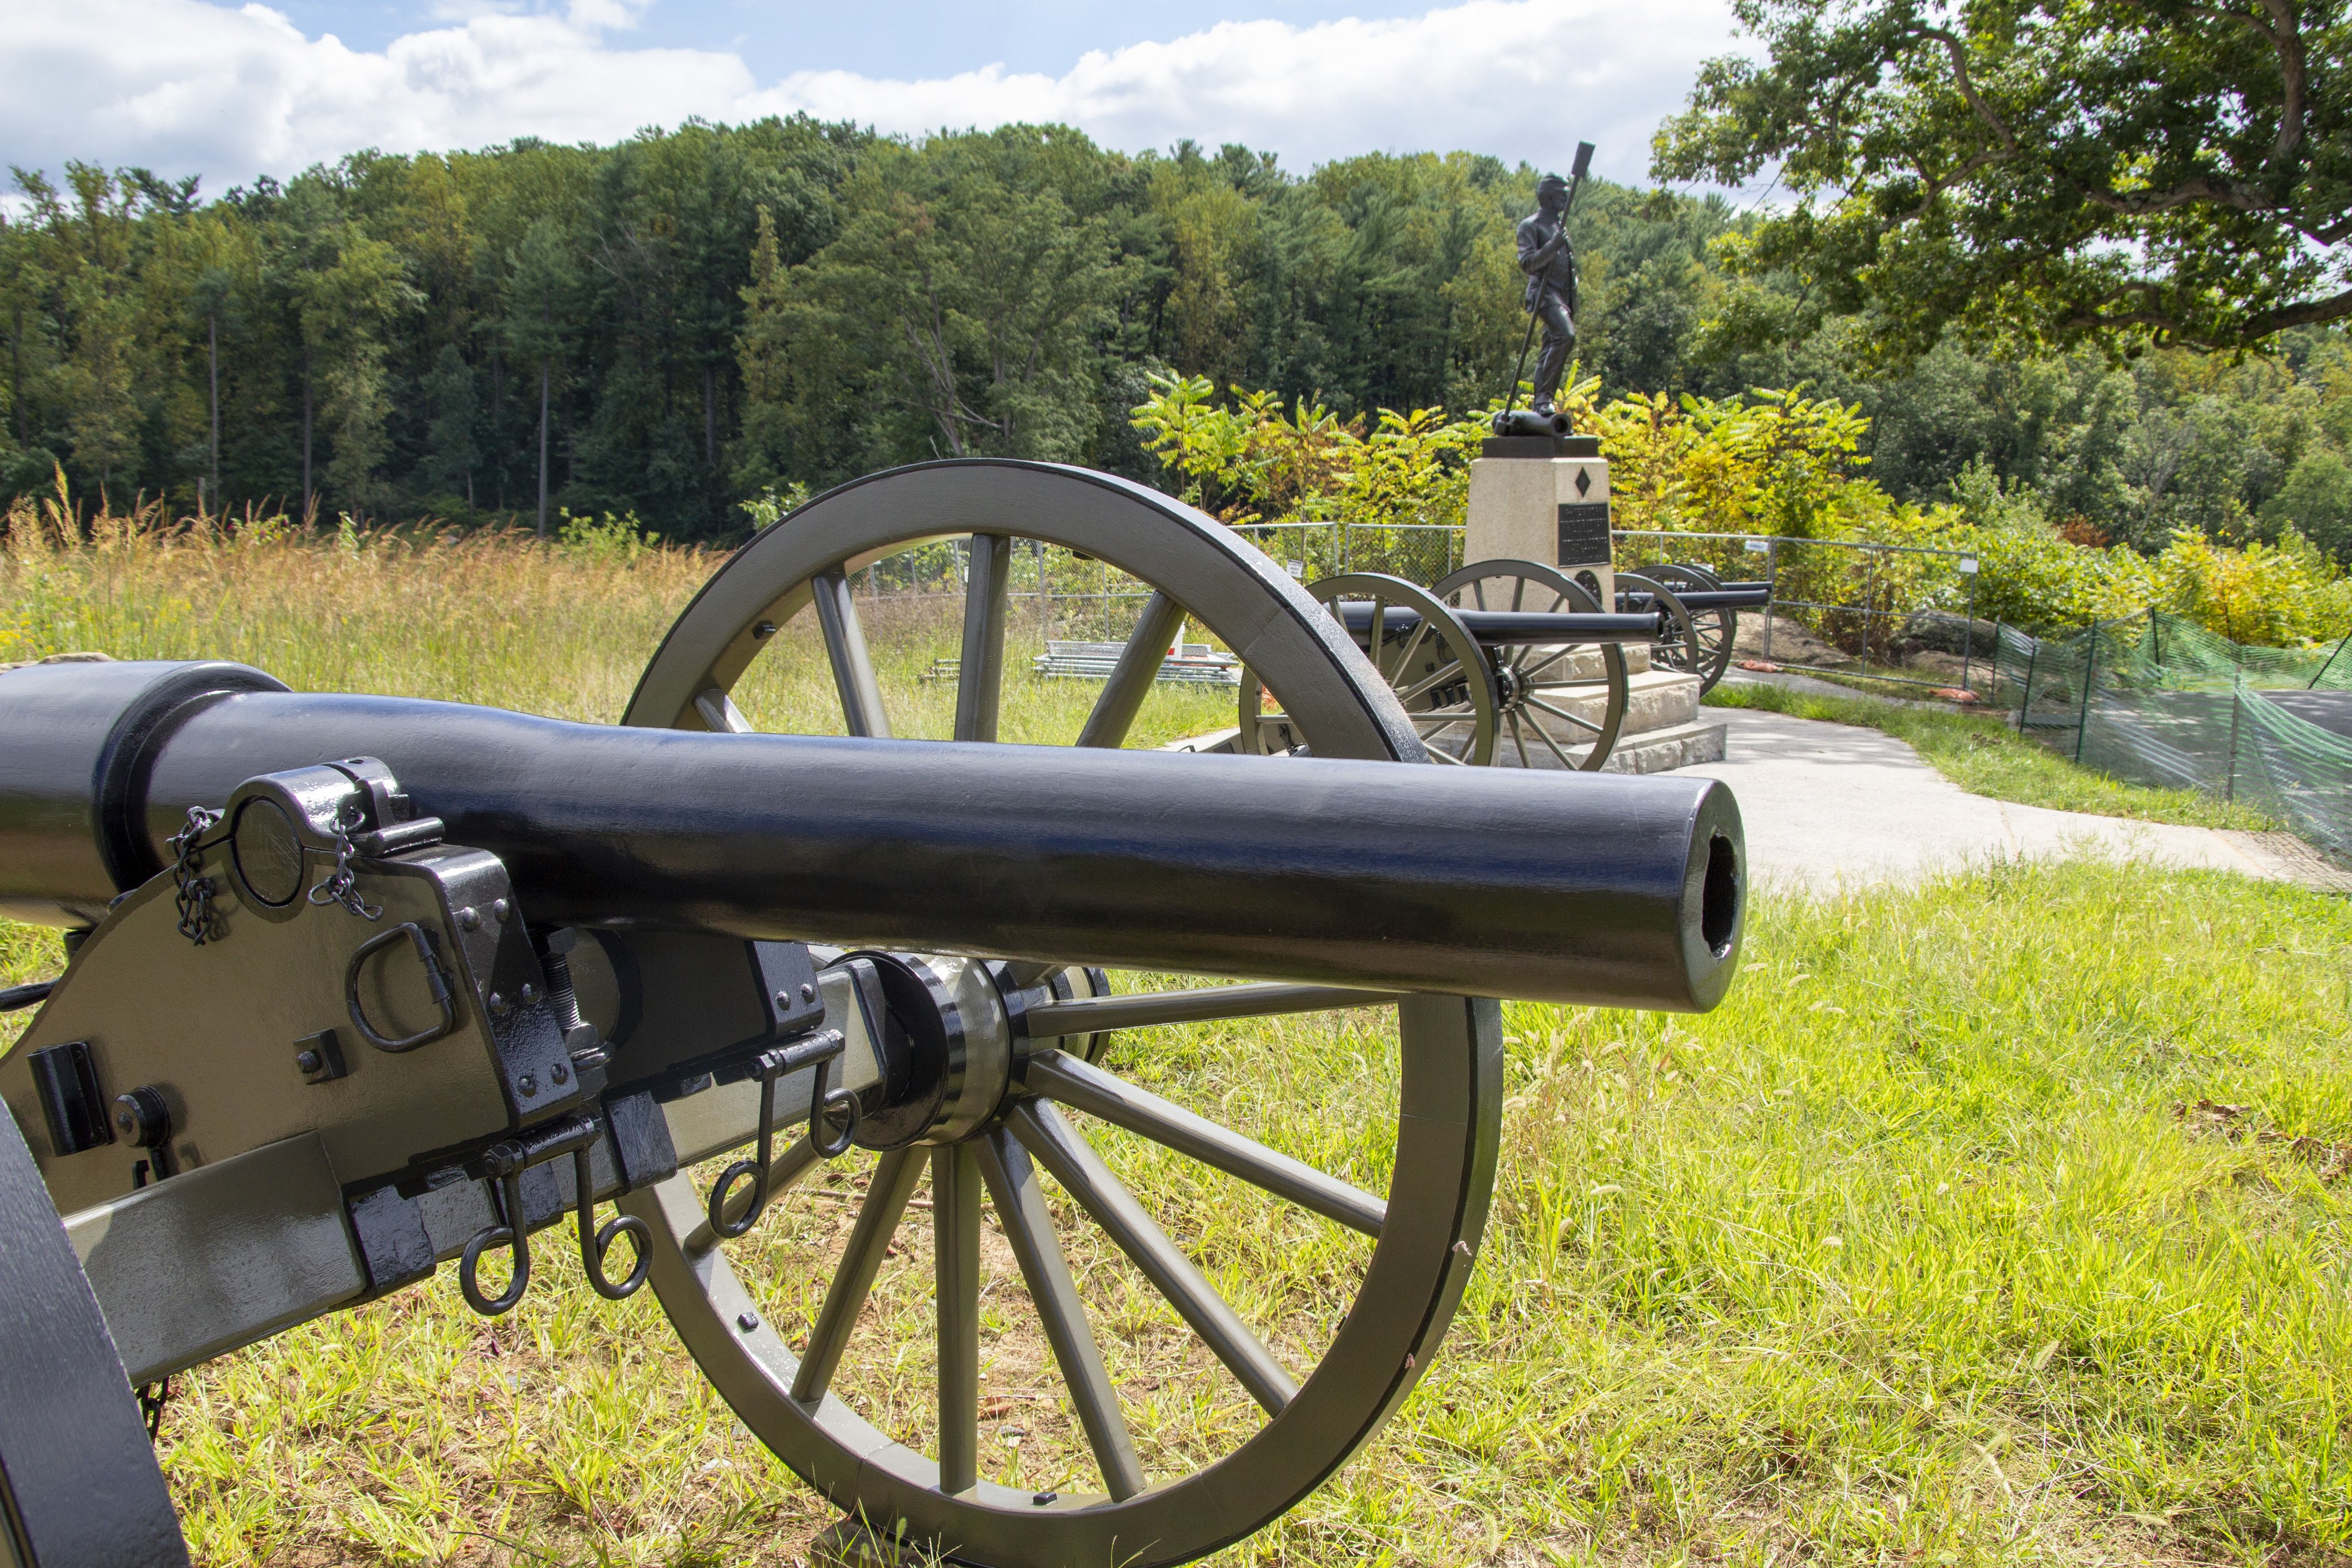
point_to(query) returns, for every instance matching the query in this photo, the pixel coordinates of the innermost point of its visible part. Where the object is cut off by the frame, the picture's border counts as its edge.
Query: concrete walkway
(1832, 805)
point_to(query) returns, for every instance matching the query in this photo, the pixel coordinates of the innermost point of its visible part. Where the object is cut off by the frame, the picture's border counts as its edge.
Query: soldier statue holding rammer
(1549, 261)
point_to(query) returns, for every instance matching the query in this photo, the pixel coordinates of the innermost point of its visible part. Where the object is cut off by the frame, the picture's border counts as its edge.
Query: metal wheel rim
(1449, 1102)
(1665, 571)
(1716, 631)
(1573, 595)
(1681, 652)
(1483, 718)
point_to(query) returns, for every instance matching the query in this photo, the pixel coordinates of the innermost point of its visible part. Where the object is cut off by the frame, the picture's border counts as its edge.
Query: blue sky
(230, 91)
(934, 39)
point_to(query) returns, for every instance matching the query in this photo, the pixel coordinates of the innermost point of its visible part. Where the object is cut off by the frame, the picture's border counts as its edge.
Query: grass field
(1996, 1221)
(1985, 756)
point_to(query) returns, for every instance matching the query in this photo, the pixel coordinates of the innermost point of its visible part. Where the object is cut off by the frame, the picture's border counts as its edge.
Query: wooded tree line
(674, 324)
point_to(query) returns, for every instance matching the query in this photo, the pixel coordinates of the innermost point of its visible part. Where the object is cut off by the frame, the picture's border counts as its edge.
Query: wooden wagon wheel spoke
(1528, 671)
(1545, 735)
(1131, 677)
(844, 649)
(1060, 1076)
(955, 1268)
(1445, 675)
(886, 1201)
(1073, 1163)
(979, 676)
(1561, 712)
(1020, 1209)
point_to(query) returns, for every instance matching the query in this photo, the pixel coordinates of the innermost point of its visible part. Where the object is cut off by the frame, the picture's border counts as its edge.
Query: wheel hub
(952, 1043)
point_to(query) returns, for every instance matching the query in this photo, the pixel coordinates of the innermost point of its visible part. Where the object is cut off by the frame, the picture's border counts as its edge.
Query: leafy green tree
(345, 307)
(2316, 500)
(2052, 173)
(452, 454)
(961, 308)
(541, 281)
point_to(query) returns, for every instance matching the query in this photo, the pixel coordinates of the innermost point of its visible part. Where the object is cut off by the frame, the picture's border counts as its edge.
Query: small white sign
(1967, 566)
(1297, 569)
(1756, 547)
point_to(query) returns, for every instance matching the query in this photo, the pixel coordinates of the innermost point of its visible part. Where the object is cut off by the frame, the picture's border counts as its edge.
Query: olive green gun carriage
(361, 986)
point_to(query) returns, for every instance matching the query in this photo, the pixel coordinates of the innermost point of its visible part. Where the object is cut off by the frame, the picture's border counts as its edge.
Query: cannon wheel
(1447, 1106)
(1437, 671)
(1532, 680)
(1677, 647)
(1714, 633)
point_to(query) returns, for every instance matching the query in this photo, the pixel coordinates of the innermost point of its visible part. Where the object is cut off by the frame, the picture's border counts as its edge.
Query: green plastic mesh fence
(2157, 700)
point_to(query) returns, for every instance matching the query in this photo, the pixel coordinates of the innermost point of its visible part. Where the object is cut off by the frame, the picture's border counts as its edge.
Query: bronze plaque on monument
(1583, 532)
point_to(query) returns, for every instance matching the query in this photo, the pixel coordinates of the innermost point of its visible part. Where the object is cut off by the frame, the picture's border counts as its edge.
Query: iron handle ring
(756, 1169)
(434, 981)
(823, 1104)
(509, 1234)
(743, 1222)
(595, 1242)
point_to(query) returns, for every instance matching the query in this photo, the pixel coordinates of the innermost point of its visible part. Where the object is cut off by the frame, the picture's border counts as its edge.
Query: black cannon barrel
(1511, 628)
(1591, 888)
(1730, 597)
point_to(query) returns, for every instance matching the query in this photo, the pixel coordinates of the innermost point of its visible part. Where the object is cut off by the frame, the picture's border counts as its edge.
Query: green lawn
(1984, 755)
(1918, 1250)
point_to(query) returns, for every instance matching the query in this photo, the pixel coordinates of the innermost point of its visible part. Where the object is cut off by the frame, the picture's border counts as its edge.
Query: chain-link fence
(1419, 552)
(1904, 614)
(2156, 699)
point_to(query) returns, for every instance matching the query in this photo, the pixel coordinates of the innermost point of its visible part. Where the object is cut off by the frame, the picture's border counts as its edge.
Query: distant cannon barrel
(1596, 889)
(1512, 628)
(1730, 596)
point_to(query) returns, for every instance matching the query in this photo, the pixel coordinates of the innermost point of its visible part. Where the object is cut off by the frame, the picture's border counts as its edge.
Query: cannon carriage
(363, 987)
(1698, 615)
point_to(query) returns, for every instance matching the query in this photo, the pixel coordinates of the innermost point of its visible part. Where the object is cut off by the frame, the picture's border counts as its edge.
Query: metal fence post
(2090, 671)
(2340, 643)
(1869, 597)
(1969, 637)
(2237, 696)
(1772, 590)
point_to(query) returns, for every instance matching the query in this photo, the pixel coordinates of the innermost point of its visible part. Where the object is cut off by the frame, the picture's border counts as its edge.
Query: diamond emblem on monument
(1583, 480)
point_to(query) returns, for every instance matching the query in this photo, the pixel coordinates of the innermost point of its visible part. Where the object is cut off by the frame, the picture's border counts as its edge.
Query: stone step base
(1584, 664)
(1655, 699)
(1653, 751)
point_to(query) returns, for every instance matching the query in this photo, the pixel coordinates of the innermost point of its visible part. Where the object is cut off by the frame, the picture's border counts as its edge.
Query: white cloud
(1520, 79)
(185, 87)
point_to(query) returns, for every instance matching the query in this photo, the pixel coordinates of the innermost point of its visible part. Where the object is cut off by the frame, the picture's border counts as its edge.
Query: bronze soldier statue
(1549, 262)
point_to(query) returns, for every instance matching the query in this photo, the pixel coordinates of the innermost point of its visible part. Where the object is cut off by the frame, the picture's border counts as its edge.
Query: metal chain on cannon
(341, 885)
(194, 899)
